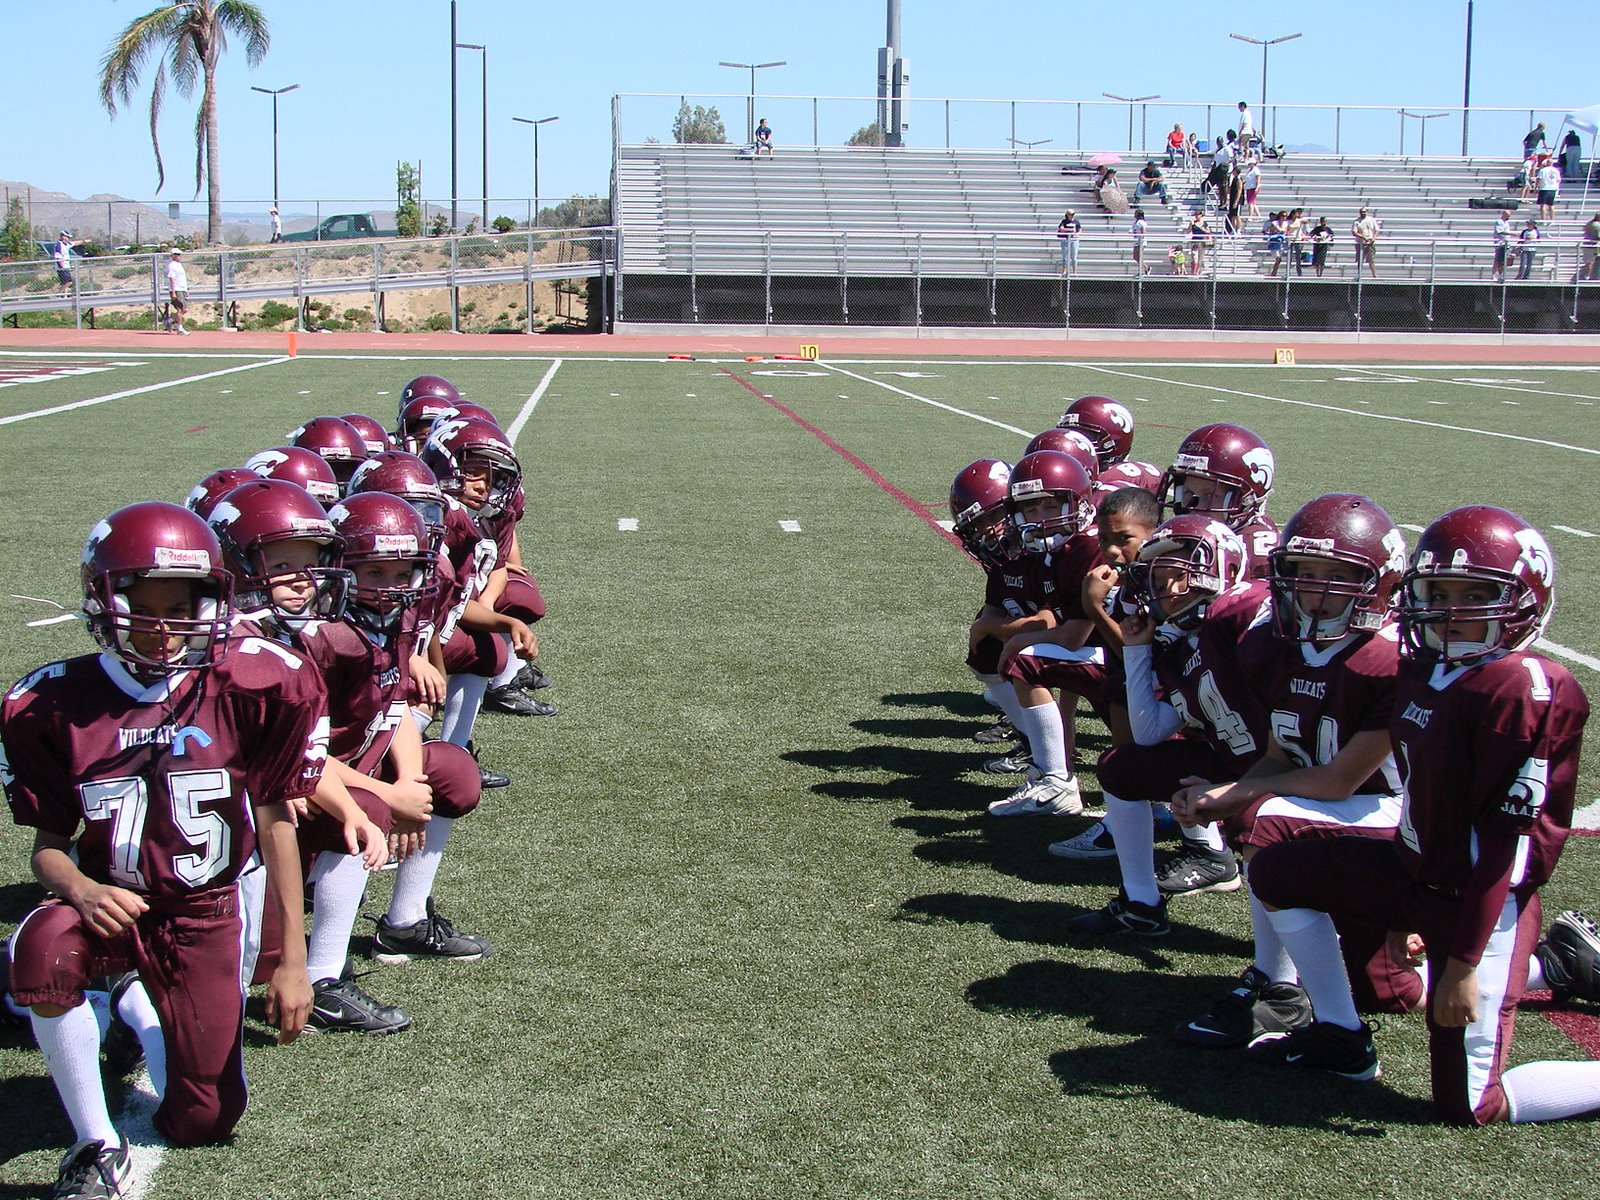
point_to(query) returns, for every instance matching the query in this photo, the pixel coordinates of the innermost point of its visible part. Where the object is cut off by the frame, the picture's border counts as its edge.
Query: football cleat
(1320, 1046)
(1121, 915)
(432, 937)
(1198, 868)
(1256, 1008)
(93, 1171)
(123, 1053)
(339, 1005)
(1046, 796)
(513, 700)
(1001, 731)
(1014, 761)
(1093, 842)
(1570, 956)
(531, 678)
(486, 777)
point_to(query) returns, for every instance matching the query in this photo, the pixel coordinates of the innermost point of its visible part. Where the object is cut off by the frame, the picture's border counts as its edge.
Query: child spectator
(1527, 248)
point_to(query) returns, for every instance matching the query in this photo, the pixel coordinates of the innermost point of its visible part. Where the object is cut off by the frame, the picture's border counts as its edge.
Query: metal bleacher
(872, 211)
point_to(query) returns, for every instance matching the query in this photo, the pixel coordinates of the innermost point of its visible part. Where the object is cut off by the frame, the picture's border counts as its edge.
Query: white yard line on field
(924, 400)
(1566, 652)
(532, 402)
(139, 391)
(1350, 412)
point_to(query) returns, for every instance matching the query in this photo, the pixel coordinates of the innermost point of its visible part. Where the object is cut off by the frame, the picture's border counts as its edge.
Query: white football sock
(1551, 1091)
(422, 719)
(509, 671)
(1209, 836)
(252, 904)
(137, 1010)
(340, 881)
(1006, 697)
(463, 697)
(413, 882)
(71, 1045)
(1135, 836)
(1272, 958)
(1313, 945)
(1041, 725)
(1536, 980)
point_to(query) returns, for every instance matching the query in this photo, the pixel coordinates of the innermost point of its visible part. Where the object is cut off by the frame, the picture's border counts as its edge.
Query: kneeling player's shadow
(917, 727)
(1015, 846)
(1145, 1008)
(924, 779)
(35, 1121)
(1044, 923)
(966, 704)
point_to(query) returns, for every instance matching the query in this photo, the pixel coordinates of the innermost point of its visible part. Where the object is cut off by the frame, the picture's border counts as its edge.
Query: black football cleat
(340, 1005)
(516, 702)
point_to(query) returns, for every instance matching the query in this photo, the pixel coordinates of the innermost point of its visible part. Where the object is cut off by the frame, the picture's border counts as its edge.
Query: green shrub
(439, 322)
(275, 312)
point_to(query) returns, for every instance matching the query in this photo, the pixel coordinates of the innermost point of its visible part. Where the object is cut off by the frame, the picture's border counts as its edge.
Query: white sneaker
(1047, 796)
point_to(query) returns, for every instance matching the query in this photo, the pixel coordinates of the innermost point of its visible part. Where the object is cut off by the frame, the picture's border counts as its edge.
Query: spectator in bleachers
(1252, 184)
(763, 137)
(1068, 232)
(1295, 229)
(1140, 228)
(1177, 140)
(1549, 189)
(1527, 248)
(1226, 151)
(1571, 155)
(1533, 139)
(1589, 244)
(1321, 239)
(1502, 246)
(1366, 231)
(1151, 183)
(1191, 151)
(1527, 176)
(1277, 233)
(1110, 194)
(1247, 126)
(1199, 239)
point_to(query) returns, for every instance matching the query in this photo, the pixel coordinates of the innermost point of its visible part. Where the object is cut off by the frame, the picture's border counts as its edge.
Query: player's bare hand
(430, 683)
(523, 643)
(405, 839)
(366, 839)
(108, 909)
(1455, 995)
(299, 810)
(1407, 947)
(1138, 629)
(411, 797)
(1097, 585)
(289, 1002)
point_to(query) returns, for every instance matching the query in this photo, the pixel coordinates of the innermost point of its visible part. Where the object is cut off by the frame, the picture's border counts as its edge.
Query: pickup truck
(345, 225)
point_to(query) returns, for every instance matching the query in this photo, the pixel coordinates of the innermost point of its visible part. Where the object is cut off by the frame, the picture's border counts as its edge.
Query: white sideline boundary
(925, 400)
(532, 402)
(138, 391)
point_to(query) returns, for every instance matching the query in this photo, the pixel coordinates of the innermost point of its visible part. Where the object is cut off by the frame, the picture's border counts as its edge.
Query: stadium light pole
(274, 93)
(1466, 85)
(1130, 101)
(535, 124)
(750, 114)
(1421, 118)
(1264, 43)
(484, 50)
(455, 130)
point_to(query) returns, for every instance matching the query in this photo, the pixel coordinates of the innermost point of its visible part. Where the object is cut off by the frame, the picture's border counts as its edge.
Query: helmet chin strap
(1324, 629)
(1433, 637)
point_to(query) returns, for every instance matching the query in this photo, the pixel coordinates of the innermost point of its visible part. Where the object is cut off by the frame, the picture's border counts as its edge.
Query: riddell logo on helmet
(1027, 487)
(310, 525)
(1191, 462)
(167, 558)
(1308, 543)
(394, 543)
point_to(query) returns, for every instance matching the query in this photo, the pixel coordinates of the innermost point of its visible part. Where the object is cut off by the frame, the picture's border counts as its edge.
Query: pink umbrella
(1104, 159)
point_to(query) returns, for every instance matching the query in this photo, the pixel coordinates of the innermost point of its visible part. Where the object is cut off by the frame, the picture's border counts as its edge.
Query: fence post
(455, 292)
(994, 276)
(299, 287)
(917, 278)
(947, 124)
(377, 287)
(1338, 120)
(222, 287)
(844, 276)
(155, 290)
(527, 272)
(766, 255)
(77, 310)
(1433, 267)
(694, 295)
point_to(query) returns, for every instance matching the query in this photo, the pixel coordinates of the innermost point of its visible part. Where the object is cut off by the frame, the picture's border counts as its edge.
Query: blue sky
(375, 80)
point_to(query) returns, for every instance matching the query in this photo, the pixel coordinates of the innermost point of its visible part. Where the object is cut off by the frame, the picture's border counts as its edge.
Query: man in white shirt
(1549, 186)
(277, 224)
(1247, 125)
(63, 260)
(1502, 245)
(1365, 231)
(178, 290)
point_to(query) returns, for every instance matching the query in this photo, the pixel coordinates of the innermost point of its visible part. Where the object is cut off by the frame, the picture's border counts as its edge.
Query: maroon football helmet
(1238, 466)
(1495, 549)
(378, 529)
(407, 476)
(214, 487)
(1106, 423)
(1342, 530)
(1130, 474)
(455, 443)
(310, 470)
(155, 540)
(254, 517)
(337, 441)
(373, 435)
(1073, 442)
(428, 387)
(417, 420)
(466, 408)
(1185, 564)
(978, 511)
(1052, 473)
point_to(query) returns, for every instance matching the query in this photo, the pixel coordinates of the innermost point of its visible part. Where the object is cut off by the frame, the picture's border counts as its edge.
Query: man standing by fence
(63, 259)
(1365, 231)
(177, 291)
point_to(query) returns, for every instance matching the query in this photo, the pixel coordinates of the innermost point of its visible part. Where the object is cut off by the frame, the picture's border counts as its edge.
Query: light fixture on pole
(535, 123)
(274, 93)
(1264, 43)
(1130, 101)
(1029, 145)
(1423, 118)
(750, 113)
(484, 50)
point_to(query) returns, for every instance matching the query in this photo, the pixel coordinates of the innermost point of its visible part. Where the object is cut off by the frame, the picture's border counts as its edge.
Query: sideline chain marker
(1283, 356)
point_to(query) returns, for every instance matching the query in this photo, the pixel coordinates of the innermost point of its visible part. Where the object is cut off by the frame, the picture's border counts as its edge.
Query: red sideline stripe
(920, 510)
(1581, 1027)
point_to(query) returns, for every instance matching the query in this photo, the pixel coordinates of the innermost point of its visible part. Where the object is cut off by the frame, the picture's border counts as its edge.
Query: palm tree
(185, 38)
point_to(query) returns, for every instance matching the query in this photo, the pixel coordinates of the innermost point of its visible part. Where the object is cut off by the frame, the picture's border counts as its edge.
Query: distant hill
(105, 218)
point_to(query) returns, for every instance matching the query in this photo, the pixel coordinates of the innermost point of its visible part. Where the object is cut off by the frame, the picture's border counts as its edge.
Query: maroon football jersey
(472, 556)
(1260, 536)
(1014, 587)
(367, 682)
(1205, 677)
(1320, 699)
(1489, 757)
(1061, 574)
(162, 779)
